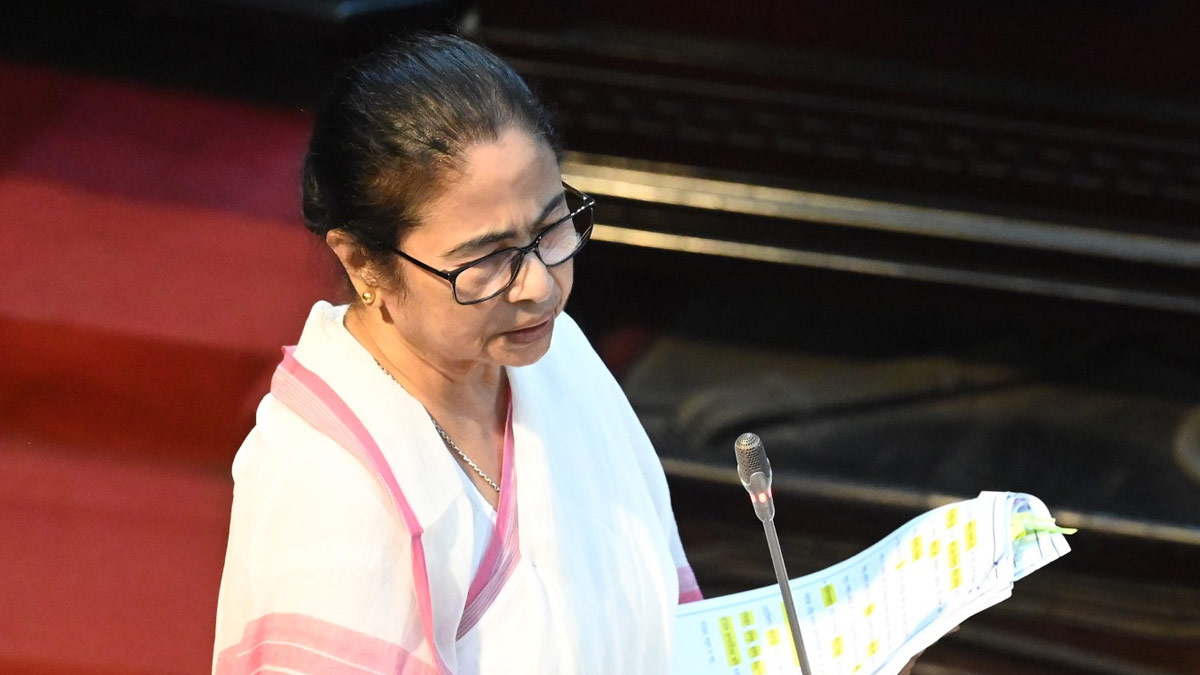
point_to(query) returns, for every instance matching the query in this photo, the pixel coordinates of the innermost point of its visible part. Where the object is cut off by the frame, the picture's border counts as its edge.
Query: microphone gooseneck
(755, 472)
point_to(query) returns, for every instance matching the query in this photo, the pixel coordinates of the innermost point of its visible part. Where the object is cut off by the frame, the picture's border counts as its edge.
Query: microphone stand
(755, 473)
(786, 589)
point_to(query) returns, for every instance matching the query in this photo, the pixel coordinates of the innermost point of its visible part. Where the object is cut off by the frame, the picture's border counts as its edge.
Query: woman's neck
(471, 391)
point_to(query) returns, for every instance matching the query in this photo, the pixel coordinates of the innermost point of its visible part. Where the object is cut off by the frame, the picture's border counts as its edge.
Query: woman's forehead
(503, 183)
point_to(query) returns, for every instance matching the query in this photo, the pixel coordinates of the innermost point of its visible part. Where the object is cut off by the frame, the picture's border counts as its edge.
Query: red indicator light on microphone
(762, 498)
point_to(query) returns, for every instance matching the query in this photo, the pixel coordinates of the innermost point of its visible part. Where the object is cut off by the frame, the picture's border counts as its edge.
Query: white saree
(355, 548)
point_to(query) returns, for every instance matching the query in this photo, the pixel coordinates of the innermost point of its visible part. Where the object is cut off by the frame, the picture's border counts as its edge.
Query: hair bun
(315, 210)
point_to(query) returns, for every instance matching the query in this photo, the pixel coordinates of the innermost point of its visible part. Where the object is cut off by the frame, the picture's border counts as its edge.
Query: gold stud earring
(368, 297)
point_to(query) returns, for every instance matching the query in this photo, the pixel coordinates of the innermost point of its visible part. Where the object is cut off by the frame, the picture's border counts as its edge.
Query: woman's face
(509, 190)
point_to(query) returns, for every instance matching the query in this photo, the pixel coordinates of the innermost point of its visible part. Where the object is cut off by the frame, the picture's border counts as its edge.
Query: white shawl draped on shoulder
(340, 563)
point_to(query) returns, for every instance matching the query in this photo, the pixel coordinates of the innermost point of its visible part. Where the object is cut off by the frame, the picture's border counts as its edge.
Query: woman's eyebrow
(486, 240)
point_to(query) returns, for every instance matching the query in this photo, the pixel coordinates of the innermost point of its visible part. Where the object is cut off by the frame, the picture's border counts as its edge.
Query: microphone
(755, 472)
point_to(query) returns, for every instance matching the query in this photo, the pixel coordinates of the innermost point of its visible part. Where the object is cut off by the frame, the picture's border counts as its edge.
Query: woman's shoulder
(288, 469)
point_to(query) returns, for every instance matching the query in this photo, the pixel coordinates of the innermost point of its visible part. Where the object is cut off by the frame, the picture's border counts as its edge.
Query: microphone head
(751, 458)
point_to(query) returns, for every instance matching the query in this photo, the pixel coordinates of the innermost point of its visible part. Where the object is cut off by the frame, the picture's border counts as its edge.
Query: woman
(445, 478)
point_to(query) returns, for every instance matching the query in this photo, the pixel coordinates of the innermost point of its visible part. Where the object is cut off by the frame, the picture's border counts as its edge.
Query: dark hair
(395, 126)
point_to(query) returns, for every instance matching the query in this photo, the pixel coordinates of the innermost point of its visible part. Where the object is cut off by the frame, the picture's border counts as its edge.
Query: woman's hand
(908, 668)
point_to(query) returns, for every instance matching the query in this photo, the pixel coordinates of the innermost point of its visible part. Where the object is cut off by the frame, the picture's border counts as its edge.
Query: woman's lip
(531, 326)
(531, 333)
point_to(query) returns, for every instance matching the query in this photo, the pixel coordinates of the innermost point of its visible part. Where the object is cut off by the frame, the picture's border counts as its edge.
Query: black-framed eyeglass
(483, 279)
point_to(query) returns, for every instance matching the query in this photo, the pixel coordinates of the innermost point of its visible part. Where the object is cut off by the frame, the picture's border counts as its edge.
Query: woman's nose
(534, 281)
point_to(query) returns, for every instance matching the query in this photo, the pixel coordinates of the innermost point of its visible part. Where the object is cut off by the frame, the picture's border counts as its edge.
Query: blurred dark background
(923, 249)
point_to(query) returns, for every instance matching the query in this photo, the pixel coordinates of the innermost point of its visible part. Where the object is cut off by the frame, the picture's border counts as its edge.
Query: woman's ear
(347, 250)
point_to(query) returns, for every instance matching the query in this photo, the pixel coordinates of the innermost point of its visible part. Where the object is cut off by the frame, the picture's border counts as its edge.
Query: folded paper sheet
(872, 613)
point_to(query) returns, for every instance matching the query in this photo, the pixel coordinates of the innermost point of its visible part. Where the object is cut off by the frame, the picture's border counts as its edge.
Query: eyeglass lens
(491, 275)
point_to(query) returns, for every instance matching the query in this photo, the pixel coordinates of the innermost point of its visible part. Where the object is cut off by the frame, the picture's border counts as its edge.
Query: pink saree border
(689, 589)
(306, 644)
(314, 400)
(503, 551)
